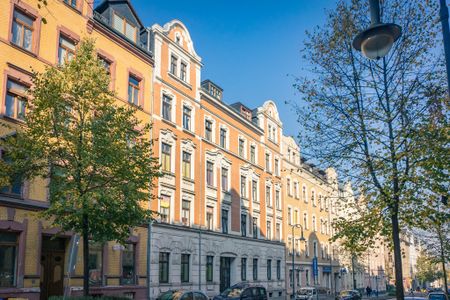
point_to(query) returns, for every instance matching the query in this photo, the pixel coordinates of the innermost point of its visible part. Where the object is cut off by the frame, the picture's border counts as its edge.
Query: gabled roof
(105, 4)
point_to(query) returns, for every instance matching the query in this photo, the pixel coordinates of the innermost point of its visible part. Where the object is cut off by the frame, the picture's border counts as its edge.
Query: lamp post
(446, 36)
(376, 41)
(302, 239)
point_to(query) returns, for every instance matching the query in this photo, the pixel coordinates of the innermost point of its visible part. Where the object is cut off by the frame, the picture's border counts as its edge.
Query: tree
(359, 115)
(427, 269)
(97, 155)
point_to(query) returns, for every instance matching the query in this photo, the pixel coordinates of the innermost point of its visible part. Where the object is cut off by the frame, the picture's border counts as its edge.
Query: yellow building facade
(34, 263)
(308, 198)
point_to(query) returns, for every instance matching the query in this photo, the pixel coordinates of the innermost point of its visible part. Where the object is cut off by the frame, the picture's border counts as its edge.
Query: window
(277, 173)
(167, 108)
(277, 199)
(306, 248)
(208, 130)
(288, 186)
(313, 198)
(128, 266)
(269, 230)
(243, 224)
(95, 263)
(269, 269)
(164, 208)
(16, 182)
(304, 194)
(268, 196)
(289, 215)
(254, 191)
(209, 268)
(72, 3)
(223, 138)
(8, 259)
(255, 227)
(165, 157)
(267, 162)
(124, 27)
(133, 90)
(225, 179)
(187, 118)
(315, 248)
(295, 216)
(241, 147)
(243, 187)
(66, 49)
(307, 276)
(278, 269)
(296, 190)
(183, 68)
(185, 212)
(186, 165)
(278, 231)
(291, 278)
(253, 154)
(15, 100)
(164, 267)
(209, 173)
(173, 64)
(255, 269)
(106, 63)
(305, 220)
(22, 30)
(243, 269)
(224, 220)
(210, 217)
(314, 227)
(185, 267)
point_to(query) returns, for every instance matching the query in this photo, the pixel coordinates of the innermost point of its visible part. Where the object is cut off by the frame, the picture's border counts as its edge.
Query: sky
(249, 48)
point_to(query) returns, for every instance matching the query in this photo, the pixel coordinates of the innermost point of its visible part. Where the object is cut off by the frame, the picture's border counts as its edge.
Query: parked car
(306, 293)
(349, 295)
(182, 295)
(243, 291)
(437, 296)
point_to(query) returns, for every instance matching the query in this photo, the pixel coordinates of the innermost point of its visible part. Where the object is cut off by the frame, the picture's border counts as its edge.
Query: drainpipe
(150, 223)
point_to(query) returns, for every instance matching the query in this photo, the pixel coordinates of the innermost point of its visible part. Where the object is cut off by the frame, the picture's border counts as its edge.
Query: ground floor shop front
(38, 261)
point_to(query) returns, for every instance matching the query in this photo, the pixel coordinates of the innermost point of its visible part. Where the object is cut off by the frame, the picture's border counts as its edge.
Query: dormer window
(126, 28)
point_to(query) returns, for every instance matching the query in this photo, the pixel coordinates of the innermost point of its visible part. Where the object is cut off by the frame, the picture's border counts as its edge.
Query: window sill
(11, 119)
(179, 80)
(169, 173)
(31, 53)
(12, 195)
(169, 122)
(211, 187)
(188, 132)
(189, 179)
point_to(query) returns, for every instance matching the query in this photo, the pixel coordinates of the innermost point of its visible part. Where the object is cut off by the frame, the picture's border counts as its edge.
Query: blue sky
(250, 48)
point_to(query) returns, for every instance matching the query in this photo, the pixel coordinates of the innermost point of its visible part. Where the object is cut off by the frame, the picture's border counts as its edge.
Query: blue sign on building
(315, 267)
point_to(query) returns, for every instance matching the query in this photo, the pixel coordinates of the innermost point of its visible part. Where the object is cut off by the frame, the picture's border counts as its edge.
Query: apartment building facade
(220, 197)
(308, 199)
(34, 256)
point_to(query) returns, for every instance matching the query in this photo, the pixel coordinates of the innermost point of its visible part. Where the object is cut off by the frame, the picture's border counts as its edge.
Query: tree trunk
(397, 257)
(85, 255)
(441, 245)
(353, 272)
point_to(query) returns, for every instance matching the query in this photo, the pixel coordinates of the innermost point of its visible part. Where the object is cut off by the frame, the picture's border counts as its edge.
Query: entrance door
(52, 267)
(225, 273)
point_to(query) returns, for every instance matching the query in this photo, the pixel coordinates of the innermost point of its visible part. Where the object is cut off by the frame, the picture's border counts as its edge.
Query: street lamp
(376, 41)
(302, 239)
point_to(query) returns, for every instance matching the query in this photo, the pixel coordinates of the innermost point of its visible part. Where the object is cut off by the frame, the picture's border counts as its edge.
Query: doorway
(52, 266)
(225, 273)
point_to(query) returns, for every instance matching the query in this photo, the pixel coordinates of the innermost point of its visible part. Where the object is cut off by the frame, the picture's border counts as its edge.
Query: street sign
(327, 269)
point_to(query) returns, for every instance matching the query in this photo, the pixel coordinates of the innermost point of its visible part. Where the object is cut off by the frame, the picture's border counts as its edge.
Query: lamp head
(376, 41)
